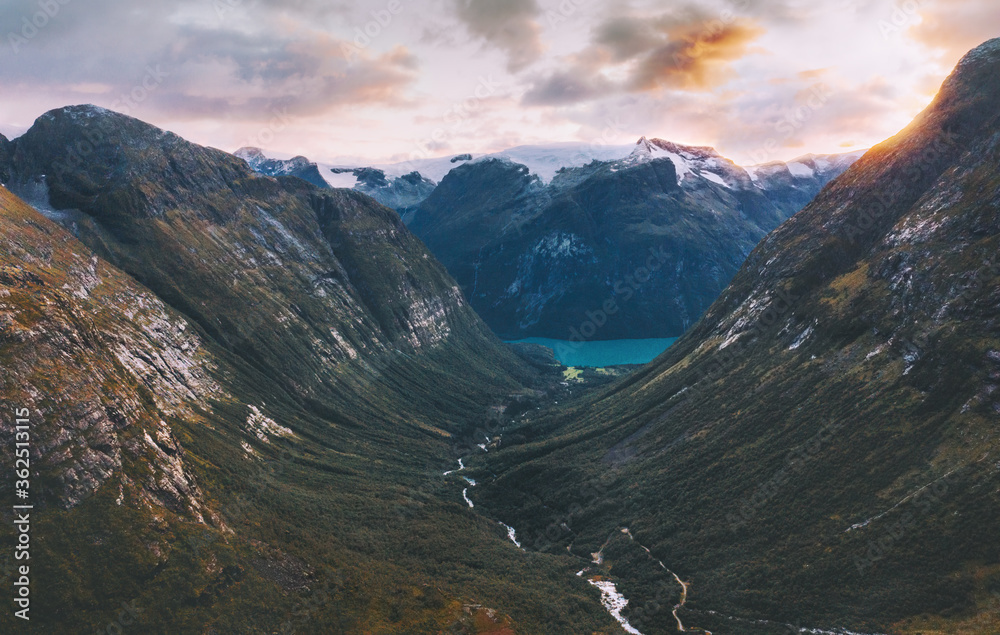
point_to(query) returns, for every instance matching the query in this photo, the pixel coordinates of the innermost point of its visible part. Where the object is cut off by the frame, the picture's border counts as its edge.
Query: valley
(551, 390)
(843, 380)
(589, 243)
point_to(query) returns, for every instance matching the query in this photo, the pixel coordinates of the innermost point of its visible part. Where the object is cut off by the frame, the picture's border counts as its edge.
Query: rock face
(632, 248)
(402, 193)
(826, 436)
(4, 159)
(240, 389)
(98, 361)
(330, 275)
(299, 166)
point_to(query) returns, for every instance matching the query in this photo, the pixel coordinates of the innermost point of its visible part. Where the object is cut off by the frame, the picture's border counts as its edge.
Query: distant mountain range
(300, 167)
(540, 238)
(633, 248)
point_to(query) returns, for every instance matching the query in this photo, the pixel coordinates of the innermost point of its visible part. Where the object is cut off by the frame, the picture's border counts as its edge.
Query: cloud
(205, 67)
(759, 127)
(305, 76)
(626, 37)
(695, 56)
(567, 87)
(683, 50)
(509, 25)
(954, 27)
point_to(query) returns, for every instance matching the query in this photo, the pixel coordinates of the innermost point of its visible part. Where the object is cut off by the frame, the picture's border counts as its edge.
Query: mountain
(542, 160)
(299, 166)
(5, 151)
(633, 248)
(242, 394)
(821, 450)
(404, 185)
(401, 193)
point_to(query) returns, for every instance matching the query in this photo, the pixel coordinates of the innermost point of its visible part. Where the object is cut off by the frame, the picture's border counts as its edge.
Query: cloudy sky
(398, 79)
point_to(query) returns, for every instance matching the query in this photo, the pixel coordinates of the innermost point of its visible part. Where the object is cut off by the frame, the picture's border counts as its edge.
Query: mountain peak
(972, 89)
(249, 152)
(81, 110)
(298, 166)
(646, 145)
(100, 126)
(986, 53)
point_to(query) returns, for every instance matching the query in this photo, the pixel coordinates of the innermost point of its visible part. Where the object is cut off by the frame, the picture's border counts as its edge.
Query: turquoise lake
(603, 353)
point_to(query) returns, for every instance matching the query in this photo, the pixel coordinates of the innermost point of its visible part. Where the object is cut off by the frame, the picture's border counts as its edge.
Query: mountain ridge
(308, 337)
(298, 166)
(495, 225)
(835, 405)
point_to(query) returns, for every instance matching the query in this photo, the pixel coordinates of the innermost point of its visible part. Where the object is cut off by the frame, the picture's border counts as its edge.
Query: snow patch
(714, 178)
(800, 170)
(801, 338)
(877, 350)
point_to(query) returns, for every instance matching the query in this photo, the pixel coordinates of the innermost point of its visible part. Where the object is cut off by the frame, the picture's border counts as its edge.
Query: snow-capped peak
(804, 167)
(254, 157)
(249, 152)
(691, 162)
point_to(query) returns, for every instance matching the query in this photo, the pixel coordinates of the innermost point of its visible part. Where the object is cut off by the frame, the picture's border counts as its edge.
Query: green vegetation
(846, 376)
(218, 295)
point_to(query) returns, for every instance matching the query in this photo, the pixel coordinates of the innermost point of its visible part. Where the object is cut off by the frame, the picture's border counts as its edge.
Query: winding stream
(511, 533)
(614, 602)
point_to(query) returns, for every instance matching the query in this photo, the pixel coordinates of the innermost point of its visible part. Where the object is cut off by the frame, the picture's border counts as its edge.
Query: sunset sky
(391, 80)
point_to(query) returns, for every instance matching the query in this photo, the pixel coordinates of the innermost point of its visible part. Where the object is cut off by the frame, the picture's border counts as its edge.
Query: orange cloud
(686, 52)
(696, 56)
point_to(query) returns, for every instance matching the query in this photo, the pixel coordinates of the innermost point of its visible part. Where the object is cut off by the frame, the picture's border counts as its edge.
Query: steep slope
(299, 280)
(243, 393)
(821, 449)
(299, 167)
(4, 159)
(633, 248)
(72, 352)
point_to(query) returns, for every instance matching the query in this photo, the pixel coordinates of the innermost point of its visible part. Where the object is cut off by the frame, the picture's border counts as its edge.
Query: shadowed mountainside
(821, 449)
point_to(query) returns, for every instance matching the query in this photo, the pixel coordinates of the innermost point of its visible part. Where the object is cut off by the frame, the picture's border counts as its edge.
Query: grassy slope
(742, 467)
(356, 497)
